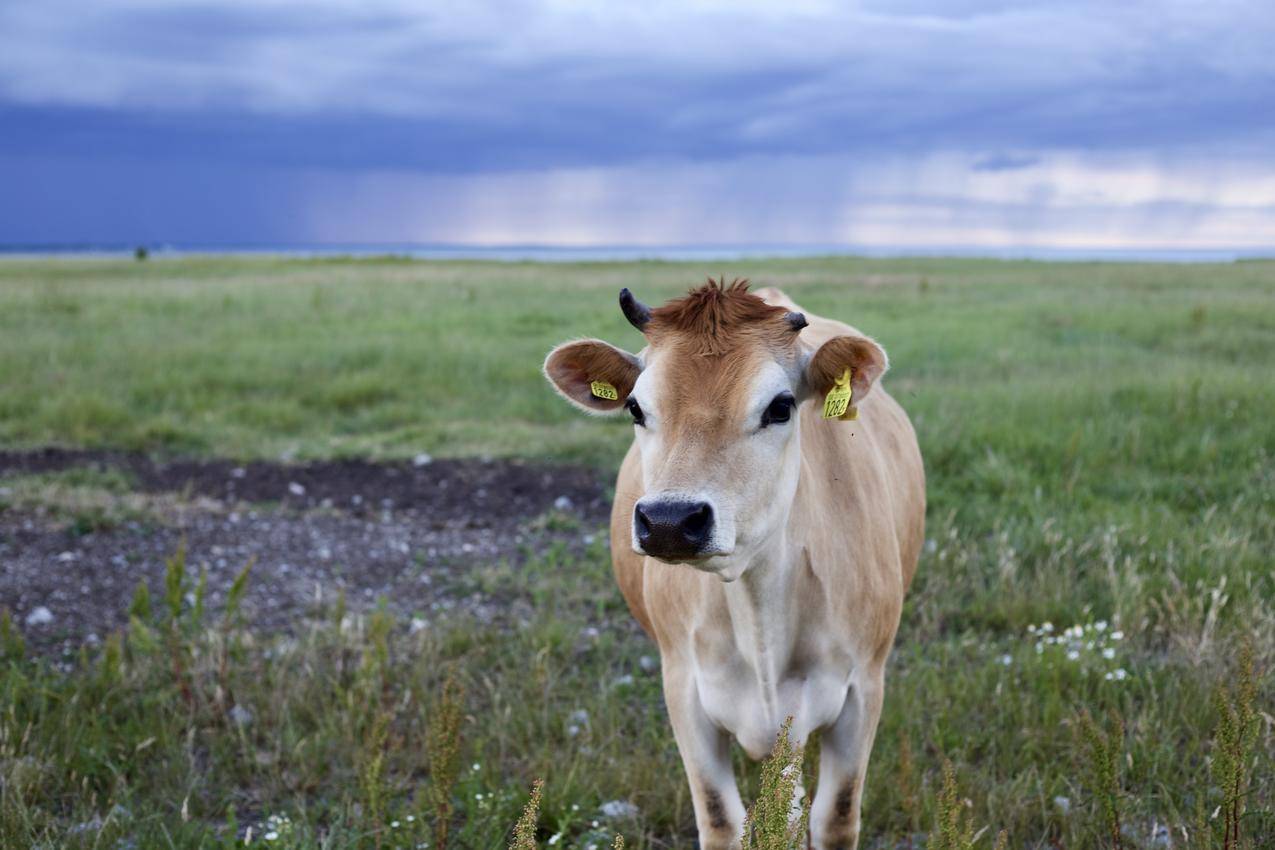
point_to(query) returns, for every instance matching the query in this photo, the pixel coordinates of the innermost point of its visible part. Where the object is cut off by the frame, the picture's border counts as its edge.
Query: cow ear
(583, 370)
(865, 359)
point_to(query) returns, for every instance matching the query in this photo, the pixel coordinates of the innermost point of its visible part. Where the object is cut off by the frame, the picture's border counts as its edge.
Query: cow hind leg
(843, 765)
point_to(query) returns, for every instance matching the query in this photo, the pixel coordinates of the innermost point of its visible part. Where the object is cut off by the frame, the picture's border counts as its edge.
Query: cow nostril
(642, 523)
(697, 523)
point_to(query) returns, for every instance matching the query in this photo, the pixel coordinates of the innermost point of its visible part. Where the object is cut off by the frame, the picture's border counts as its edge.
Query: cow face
(716, 398)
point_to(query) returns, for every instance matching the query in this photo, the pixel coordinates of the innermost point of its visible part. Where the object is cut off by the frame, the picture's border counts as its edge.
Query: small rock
(619, 810)
(238, 472)
(622, 681)
(66, 557)
(240, 716)
(422, 459)
(563, 503)
(94, 825)
(1063, 804)
(39, 616)
(419, 624)
(296, 489)
(648, 664)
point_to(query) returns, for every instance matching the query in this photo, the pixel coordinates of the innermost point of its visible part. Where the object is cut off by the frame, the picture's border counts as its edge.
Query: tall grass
(442, 741)
(779, 819)
(189, 729)
(1105, 747)
(1235, 742)
(1099, 452)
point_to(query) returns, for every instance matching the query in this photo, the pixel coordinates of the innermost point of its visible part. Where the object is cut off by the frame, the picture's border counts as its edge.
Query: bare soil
(405, 532)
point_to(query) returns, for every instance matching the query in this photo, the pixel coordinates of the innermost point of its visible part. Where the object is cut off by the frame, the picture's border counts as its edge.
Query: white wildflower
(1108, 653)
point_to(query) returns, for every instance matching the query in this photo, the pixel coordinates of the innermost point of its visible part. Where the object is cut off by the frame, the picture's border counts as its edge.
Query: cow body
(802, 625)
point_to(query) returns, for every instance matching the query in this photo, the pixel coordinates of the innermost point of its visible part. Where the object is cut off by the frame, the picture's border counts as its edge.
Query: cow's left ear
(592, 374)
(865, 359)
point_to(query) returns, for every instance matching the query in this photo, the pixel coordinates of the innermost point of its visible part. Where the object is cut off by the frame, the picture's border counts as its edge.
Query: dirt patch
(475, 491)
(405, 531)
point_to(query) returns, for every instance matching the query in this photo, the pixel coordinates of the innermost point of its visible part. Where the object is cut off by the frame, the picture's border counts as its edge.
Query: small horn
(796, 320)
(638, 314)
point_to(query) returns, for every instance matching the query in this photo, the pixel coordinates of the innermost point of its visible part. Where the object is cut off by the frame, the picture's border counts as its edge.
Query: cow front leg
(705, 750)
(843, 764)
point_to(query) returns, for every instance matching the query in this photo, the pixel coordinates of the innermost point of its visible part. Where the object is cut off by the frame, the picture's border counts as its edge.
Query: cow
(764, 547)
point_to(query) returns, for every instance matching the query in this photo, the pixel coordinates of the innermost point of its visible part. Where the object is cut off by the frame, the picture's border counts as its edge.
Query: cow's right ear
(583, 369)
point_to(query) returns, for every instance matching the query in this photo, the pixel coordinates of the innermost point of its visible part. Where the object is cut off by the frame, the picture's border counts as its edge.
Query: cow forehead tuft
(718, 317)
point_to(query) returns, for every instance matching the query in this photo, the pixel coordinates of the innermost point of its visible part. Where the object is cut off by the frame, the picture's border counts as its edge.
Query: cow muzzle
(673, 529)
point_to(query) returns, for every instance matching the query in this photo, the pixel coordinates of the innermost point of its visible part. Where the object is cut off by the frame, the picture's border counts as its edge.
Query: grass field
(1099, 441)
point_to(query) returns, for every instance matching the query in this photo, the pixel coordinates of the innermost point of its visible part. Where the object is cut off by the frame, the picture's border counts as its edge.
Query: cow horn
(638, 314)
(796, 320)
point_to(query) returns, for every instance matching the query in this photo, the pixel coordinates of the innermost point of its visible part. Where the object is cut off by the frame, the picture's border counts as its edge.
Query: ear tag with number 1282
(601, 389)
(837, 401)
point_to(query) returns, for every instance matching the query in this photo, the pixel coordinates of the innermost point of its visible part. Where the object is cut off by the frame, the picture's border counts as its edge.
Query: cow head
(716, 397)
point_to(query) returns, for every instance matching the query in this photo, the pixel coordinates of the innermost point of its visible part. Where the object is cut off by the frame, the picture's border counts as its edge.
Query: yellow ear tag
(601, 389)
(838, 398)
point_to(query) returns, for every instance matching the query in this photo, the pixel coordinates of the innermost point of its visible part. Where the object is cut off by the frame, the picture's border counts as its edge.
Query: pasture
(1099, 442)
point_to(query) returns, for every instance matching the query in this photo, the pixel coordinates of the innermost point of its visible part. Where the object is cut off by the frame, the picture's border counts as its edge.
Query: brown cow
(765, 548)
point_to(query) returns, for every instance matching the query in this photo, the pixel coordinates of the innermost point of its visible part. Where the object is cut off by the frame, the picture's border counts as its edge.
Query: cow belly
(753, 713)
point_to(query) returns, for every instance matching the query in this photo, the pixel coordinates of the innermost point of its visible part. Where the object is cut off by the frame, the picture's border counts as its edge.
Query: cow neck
(761, 605)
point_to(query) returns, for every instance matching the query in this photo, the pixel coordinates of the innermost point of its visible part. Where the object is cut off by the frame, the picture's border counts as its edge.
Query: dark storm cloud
(357, 85)
(193, 96)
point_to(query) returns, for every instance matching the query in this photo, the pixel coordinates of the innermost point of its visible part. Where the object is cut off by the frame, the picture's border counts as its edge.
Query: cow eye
(635, 410)
(779, 409)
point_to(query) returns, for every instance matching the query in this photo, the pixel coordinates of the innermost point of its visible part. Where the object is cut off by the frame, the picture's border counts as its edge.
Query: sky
(963, 123)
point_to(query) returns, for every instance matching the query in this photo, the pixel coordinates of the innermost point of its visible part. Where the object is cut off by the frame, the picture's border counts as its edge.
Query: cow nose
(672, 529)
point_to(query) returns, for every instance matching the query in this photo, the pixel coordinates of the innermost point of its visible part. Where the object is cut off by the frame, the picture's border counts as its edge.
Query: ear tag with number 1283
(601, 389)
(837, 401)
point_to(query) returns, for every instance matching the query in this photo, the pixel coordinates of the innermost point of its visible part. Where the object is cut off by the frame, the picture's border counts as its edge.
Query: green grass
(1098, 438)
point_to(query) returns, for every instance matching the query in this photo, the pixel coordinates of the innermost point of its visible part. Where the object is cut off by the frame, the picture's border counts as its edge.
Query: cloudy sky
(884, 123)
